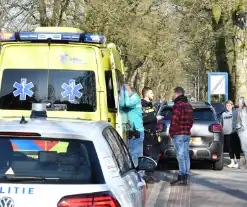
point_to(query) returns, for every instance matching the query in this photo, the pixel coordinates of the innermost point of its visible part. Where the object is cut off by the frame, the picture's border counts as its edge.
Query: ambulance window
(71, 90)
(87, 92)
(120, 80)
(11, 76)
(110, 90)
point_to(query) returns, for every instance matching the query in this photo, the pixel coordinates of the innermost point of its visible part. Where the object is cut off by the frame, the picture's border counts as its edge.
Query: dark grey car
(207, 140)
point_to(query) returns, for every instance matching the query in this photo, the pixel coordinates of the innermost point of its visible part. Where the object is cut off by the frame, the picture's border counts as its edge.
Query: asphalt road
(225, 188)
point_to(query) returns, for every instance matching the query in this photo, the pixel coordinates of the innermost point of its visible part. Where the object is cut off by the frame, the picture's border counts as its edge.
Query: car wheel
(219, 165)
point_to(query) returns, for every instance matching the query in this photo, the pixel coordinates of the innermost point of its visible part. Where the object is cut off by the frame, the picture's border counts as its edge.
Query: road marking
(154, 194)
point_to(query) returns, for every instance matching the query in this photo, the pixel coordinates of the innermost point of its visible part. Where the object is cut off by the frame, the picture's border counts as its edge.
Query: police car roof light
(40, 36)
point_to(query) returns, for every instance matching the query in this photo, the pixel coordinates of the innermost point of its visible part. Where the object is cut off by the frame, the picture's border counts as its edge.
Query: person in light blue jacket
(130, 104)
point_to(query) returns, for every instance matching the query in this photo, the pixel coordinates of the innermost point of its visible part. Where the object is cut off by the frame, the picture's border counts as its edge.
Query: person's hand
(127, 87)
(160, 117)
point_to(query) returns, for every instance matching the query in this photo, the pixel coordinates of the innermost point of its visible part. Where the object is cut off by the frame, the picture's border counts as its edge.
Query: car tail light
(104, 199)
(216, 128)
(214, 156)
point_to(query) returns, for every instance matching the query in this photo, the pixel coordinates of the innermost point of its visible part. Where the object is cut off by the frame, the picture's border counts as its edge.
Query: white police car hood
(40, 195)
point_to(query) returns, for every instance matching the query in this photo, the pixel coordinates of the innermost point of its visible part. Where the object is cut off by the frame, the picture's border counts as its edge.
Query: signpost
(217, 87)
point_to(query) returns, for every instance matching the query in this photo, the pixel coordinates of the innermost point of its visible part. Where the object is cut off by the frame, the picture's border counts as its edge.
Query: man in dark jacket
(181, 124)
(149, 121)
(150, 145)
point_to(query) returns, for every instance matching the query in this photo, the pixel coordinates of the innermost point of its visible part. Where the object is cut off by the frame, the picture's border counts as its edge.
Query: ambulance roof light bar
(40, 36)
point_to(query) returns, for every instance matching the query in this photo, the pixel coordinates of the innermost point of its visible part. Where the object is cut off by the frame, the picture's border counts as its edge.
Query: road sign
(217, 84)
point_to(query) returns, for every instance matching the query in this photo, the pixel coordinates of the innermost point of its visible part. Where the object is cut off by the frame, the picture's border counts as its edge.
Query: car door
(134, 183)
(139, 183)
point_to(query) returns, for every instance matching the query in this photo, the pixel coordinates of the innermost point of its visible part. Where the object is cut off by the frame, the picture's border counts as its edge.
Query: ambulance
(77, 74)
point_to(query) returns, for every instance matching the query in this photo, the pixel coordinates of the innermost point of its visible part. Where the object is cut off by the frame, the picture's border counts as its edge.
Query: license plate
(195, 140)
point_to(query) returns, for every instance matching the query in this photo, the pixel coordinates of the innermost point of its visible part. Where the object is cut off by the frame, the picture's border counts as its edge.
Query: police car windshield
(49, 161)
(70, 90)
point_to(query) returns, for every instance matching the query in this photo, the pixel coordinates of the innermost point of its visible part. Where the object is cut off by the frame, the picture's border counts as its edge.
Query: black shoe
(185, 178)
(181, 180)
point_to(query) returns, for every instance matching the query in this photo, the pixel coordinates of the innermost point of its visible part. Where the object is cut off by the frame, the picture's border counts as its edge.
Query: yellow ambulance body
(76, 74)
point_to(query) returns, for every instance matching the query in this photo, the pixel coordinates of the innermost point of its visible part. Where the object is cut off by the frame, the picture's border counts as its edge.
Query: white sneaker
(231, 165)
(237, 166)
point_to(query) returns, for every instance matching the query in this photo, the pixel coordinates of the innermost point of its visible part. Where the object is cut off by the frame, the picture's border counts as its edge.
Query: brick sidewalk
(207, 188)
(179, 195)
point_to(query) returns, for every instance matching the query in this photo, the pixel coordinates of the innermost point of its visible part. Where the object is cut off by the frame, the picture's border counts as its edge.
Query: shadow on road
(165, 165)
(203, 165)
(219, 187)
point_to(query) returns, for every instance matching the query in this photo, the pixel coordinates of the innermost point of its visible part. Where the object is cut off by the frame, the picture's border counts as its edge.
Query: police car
(66, 163)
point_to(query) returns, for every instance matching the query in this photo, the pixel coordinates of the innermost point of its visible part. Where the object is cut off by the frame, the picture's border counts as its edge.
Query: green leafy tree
(144, 32)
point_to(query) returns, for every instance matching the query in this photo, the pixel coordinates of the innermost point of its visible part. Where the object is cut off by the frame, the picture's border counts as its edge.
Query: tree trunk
(55, 13)
(241, 64)
(42, 12)
(221, 54)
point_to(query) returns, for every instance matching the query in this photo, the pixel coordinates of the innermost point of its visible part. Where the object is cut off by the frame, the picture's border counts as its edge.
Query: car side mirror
(146, 164)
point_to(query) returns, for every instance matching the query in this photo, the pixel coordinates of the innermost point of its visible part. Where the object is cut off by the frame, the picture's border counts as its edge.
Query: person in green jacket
(130, 104)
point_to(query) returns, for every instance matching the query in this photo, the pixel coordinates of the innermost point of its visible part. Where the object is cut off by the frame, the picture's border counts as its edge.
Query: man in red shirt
(181, 124)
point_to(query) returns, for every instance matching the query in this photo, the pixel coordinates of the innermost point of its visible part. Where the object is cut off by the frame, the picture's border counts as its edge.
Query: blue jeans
(181, 146)
(135, 146)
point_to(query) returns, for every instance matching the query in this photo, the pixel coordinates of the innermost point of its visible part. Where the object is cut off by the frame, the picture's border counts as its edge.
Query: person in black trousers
(151, 145)
(229, 123)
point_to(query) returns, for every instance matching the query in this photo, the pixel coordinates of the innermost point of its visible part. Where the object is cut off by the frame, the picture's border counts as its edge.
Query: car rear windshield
(219, 107)
(70, 90)
(202, 114)
(49, 161)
